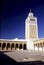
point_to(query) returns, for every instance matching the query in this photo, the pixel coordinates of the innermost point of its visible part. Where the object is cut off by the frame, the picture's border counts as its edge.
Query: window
(32, 19)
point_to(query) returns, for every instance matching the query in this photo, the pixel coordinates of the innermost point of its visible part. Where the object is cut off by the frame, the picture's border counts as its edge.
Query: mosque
(31, 41)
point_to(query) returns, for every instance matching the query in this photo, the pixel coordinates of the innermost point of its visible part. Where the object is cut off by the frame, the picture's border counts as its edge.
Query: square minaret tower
(31, 27)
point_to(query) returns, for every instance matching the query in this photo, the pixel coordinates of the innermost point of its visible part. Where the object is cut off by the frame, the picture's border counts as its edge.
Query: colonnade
(12, 46)
(39, 46)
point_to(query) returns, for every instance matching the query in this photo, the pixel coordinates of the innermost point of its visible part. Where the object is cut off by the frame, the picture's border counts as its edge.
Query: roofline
(39, 39)
(12, 40)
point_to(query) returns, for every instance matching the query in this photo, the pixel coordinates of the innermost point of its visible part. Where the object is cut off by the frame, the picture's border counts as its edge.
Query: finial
(31, 13)
(30, 10)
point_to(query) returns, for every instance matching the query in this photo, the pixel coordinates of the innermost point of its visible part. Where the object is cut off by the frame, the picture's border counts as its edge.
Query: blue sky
(13, 15)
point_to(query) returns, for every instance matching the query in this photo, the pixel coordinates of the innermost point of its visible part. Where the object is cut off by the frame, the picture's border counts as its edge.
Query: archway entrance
(12, 46)
(20, 46)
(24, 47)
(3, 46)
(8, 46)
(16, 47)
(0, 44)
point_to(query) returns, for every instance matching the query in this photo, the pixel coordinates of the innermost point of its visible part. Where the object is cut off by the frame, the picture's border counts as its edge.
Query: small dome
(30, 13)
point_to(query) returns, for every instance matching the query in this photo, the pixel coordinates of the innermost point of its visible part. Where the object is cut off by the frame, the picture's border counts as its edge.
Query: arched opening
(8, 46)
(36, 45)
(43, 44)
(3, 46)
(0, 44)
(24, 47)
(16, 47)
(40, 44)
(12, 46)
(20, 46)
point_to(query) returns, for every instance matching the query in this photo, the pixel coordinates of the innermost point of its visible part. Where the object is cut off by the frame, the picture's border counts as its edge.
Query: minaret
(31, 27)
(31, 30)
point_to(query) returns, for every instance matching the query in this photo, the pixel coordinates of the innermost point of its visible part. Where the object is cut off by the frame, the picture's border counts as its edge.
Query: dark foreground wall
(5, 60)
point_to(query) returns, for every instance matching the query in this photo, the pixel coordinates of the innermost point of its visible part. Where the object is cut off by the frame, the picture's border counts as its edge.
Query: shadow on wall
(5, 60)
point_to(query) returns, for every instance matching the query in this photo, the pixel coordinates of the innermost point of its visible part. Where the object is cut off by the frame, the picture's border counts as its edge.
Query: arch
(36, 45)
(20, 46)
(0, 44)
(24, 47)
(43, 44)
(8, 46)
(16, 47)
(3, 46)
(40, 44)
(12, 46)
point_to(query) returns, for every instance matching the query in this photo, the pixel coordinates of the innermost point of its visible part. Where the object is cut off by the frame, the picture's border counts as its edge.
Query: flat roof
(16, 39)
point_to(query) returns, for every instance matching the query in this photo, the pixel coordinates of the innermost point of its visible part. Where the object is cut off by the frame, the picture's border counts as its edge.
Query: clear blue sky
(13, 15)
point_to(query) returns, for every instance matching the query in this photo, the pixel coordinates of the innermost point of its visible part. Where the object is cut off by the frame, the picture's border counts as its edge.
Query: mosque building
(31, 41)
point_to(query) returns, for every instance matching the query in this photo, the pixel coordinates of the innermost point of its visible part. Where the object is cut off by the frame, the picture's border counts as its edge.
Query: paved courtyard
(24, 55)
